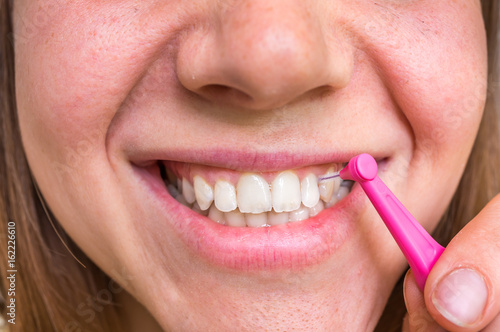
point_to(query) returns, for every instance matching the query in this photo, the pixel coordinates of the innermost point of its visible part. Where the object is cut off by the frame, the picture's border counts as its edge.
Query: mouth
(236, 199)
(258, 220)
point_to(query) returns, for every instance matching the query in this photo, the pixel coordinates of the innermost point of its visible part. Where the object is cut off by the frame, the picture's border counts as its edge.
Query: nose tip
(263, 55)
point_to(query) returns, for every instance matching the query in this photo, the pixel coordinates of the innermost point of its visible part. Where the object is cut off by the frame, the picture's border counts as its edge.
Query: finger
(406, 323)
(493, 326)
(419, 319)
(461, 292)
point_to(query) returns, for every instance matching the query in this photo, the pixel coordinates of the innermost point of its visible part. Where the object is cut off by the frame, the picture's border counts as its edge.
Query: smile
(251, 212)
(240, 199)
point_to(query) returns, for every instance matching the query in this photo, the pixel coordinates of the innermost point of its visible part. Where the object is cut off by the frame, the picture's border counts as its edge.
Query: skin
(99, 82)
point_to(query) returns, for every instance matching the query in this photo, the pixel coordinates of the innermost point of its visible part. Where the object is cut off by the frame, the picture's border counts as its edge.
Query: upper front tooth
(203, 192)
(225, 196)
(299, 214)
(315, 210)
(173, 191)
(309, 190)
(253, 194)
(343, 192)
(286, 192)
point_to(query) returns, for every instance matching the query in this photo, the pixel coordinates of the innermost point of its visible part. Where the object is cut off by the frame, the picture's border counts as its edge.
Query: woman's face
(119, 98)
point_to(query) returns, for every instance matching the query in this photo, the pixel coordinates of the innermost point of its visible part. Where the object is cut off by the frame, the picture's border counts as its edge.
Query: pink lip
(243, 160)
(291, 246)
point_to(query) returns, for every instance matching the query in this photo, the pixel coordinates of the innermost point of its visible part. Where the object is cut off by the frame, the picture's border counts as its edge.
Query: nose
(264, 54)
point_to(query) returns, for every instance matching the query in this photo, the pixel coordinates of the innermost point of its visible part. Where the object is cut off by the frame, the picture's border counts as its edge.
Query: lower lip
(292, 246)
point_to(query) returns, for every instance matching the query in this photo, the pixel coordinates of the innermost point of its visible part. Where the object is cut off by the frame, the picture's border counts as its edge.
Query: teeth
(172, 190)
(256, 219)
(332, 201)
(225, 196)
(253, 194)
(188, 191)
(183, 201)
(254, 203)
(216, 215)
(203, 192)
(275, 218)
(316, 209)
(235, 219)
(286, 192)
(196, 208)
(343, 192)
(309, 190)
(328, 188)
(298, 215)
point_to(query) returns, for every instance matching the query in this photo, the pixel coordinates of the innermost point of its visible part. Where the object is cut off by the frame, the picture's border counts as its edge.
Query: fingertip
(459, 299)
(412, 295)
(406, 324)
(418, 318)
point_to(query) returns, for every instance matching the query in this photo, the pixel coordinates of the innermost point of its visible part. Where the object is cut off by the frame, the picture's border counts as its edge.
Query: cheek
(432, 58)
(436, 68)
(66, 100)
(61, 109)
(455, 87)
(73, 72)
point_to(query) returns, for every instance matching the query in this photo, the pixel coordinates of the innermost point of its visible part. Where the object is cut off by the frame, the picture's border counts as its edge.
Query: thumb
(462, 289)
(418, 318)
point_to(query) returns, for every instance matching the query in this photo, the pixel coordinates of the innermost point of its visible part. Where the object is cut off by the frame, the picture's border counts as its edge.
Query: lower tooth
(326, 188)
(172, 190)
(216, 215)
(275, 218)
(343, 192)
(332, 201)
(182, 200)
(235, 219)
(256, 219)
(298, 215)
(196, 208)
(316, 209)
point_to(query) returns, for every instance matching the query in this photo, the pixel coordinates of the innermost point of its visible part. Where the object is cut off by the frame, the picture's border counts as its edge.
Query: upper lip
(248, 161)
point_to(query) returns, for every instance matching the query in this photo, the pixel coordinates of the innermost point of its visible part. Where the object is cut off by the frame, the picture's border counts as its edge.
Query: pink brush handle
(419, 248)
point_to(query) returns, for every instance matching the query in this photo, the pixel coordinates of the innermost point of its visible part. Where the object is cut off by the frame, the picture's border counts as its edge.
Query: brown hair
(53, 292)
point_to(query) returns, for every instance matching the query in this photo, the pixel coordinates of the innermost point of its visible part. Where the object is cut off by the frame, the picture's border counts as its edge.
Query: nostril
(223, 92)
